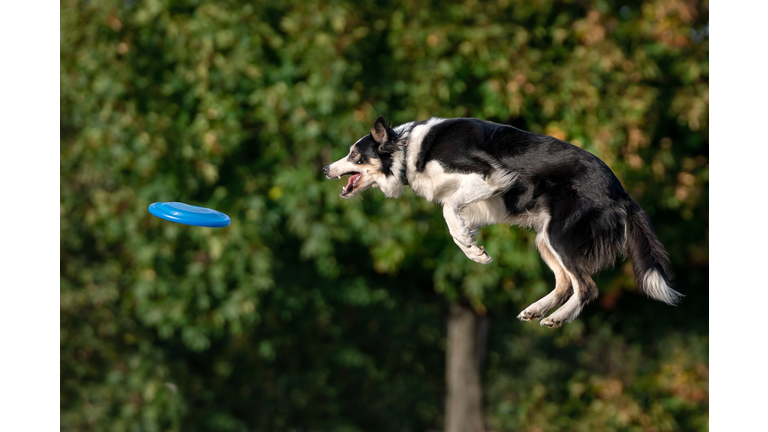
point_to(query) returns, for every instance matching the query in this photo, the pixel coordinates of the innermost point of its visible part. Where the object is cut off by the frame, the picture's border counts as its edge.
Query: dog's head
(370, 163)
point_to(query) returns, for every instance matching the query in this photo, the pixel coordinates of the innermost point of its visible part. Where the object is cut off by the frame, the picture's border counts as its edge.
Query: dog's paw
(551, 322)
(527, 315)
(478, 255)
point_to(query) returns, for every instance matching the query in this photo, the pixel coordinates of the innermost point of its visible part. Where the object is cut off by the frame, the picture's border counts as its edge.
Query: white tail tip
(656, 287)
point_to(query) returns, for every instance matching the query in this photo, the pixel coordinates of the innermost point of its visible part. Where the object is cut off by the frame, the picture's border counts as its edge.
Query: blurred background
(313, 313)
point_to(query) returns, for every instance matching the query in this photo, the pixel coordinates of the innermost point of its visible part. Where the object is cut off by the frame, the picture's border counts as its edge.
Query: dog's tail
(649, 258)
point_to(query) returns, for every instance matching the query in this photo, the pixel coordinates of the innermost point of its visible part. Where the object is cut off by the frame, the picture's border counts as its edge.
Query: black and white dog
(485, 173)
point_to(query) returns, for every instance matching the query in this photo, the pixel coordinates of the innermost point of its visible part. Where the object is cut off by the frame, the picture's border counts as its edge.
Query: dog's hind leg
(582, 287)
(563, 286)
(584, 291)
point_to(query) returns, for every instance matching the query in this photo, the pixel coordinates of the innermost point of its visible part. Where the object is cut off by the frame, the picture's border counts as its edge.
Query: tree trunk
(463, 406)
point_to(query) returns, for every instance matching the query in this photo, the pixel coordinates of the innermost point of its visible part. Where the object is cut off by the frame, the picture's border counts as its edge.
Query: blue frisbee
(189, 215)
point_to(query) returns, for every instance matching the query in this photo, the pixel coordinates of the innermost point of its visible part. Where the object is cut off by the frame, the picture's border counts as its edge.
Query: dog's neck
(393, 185)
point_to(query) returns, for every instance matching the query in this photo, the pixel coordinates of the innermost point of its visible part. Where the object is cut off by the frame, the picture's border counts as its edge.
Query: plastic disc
(189, 215)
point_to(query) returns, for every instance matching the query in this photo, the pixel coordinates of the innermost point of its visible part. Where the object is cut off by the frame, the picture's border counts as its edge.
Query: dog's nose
(325, 169)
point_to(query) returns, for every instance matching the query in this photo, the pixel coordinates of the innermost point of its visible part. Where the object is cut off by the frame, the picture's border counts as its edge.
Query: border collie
(485, 173)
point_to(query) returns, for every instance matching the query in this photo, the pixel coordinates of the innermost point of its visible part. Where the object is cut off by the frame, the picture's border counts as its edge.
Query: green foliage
(314, 313)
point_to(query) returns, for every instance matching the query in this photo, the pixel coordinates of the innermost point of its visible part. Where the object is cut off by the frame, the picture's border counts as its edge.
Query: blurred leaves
(313, 313)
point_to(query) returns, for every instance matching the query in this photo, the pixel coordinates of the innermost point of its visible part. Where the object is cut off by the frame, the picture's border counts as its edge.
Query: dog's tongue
(351, 182)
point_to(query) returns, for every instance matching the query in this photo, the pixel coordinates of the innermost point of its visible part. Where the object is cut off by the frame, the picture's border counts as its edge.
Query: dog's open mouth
(351, 183)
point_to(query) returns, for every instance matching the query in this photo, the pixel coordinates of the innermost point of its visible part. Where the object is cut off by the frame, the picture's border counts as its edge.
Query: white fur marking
(400, 129)
(485, 213)
(654, 285)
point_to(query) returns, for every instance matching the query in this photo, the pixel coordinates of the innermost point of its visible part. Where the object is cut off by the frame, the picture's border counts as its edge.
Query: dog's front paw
(478, 255)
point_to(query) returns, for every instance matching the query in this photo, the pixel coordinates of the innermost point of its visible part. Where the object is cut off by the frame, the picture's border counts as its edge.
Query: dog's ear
(380, 131)
(384, 136)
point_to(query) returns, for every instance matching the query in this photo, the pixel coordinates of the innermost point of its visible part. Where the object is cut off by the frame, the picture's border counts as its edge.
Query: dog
(485, 173)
